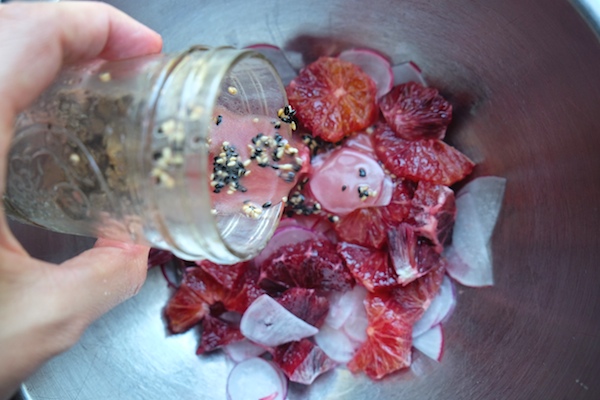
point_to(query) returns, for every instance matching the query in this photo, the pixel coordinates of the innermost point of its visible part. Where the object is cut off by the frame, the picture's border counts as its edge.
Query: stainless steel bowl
(524, 78)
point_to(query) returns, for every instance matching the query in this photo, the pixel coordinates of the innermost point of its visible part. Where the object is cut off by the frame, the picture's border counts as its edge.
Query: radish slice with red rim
(284, 236)
(335, 343)
(268, 323)
(431, 343)
(440, 309)
(256, 379)
(243, 350)
(277, 57)
(373, 64)
(408, 72)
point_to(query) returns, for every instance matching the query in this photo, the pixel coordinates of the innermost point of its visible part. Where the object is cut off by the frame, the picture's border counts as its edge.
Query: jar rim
(220, 249)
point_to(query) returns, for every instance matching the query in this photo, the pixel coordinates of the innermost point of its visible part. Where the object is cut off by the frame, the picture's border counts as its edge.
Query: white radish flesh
(373, 64)
(431, 343)
(469, 259)
(487, 193)
(256, 379)
(341, 305)
(478, 206)
(357, 323)
(243, 350)
(335, 343)
(268, 323)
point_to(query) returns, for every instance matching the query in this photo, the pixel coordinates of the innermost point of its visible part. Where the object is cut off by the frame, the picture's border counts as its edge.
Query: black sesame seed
(278, 137)
(219, 119)
(243, 189)
(274, 166)
(297, 167)
(157, 155)
(362, 173)
(344, 187)
(267, 204)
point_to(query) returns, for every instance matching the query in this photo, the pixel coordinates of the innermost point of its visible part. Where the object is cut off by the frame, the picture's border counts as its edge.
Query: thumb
(102, 277)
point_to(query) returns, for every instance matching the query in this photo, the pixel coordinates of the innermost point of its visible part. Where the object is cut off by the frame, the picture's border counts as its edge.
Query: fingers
(38, 38)
(100, 278)
(45, 308)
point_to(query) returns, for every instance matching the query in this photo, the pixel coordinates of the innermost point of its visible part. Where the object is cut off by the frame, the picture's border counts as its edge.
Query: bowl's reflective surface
(523, 76)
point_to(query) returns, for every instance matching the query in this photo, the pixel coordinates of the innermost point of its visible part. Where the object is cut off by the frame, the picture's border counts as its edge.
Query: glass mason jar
(133, 150)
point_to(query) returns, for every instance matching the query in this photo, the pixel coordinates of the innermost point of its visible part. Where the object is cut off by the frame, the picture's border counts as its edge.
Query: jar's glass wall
(67, 169)
(123, 150)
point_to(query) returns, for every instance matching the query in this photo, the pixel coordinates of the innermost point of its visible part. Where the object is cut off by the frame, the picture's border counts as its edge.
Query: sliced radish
(440, 309)
(431, 343)
(374, 64)
(277, 57)
(478, 206)
(256, 379)
(487, 193)
(357, 323)
(336, 183)
(407, 72)
(283, 236)
(335, 343)
(469, 257)
(341, 305)
(243, 350)
(268, 323)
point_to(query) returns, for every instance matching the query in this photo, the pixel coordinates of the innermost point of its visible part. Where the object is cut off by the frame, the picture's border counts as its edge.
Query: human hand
(44, 308)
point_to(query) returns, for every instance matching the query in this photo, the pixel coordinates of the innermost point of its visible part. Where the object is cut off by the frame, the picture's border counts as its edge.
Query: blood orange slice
(421, 160)
(392, 315)
(416, 112)
(333, 98)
